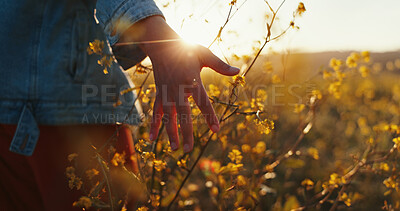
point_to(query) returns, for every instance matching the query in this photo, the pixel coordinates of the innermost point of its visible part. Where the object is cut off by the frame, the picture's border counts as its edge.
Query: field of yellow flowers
(289, 140)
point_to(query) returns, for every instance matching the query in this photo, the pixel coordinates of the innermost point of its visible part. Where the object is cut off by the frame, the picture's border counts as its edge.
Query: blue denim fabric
(46, 75)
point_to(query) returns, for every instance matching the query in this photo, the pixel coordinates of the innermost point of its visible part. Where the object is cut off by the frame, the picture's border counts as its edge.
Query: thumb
(208, 59)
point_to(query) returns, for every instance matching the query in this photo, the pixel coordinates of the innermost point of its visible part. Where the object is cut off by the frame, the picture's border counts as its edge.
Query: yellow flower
(106, 61)
(301, 8)
(334, 89)
(75, 182)
(390, 183)
(118, 159)
(84, 202)
(70, 171)
(260, 148)
(345, 198)
(268, 66)
(181, 163)
(233, 2)
(213, 90)
(159, 165)
(92, 173)
(384, 167)
(298, 108)
(364, 70)
(140, 145)
(246, 148)
(326, 74)
(396, 141)
(142, 209)
(336, 180)
(235, 156)
(307, 182)
(351, 61)
(239, 80)
(241, 180)
(265, 126)
(148, 156)
(72, 156)
(234, 168)
(317, 94)
(240, 126)
(292, 24)
(155, 200)
(313, 152)
(95, 47)
(365, 55)
(275, 79)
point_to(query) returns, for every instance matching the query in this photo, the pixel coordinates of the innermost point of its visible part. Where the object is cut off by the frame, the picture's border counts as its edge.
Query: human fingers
(157, 117)
(185, 121)
(170, 123)
(208, 59)
(203, 102)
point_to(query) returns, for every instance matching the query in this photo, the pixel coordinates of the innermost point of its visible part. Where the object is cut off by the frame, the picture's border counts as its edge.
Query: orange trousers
(39, 182)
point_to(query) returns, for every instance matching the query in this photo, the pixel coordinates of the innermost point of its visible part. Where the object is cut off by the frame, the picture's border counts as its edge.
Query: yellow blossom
(106, 61)
(213, 90)
(155, 200)
(159, 165)
(326, 74)
(181, 163)
(313, 152)
(307, 182)
(95, 47)
(334, 89)
(118, 159)
(241, 126)
(364, 70)
(235, 156)
(239, 80)
(246, 148)
(345, 198)
(298, 108)
(142, 209)
(336, 180)
(241, 180)
(396, 141)
(83, 202)
(92, 173)
(70, 171)
(351, 61)
(317, 94)
(75, 182)
(72, 156)
(366, 56)
(384, 167)
(234, 168)
(260, 148)
(275, 79)
(265, 126)
(335, 64)
(390, 183)
(148, 156)
(140, 145)
(268, 67)
(301, 8)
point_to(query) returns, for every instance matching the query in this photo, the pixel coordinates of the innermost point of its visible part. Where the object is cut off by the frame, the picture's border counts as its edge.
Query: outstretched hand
(176, 67)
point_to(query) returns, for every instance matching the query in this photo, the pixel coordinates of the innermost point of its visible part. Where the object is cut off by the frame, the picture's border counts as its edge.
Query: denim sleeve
(116, 16)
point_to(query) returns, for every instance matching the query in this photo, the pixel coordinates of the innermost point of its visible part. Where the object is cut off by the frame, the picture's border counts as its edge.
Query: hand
(176, 68)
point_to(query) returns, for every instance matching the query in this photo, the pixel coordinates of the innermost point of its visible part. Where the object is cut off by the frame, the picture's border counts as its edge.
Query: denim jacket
(46, 74)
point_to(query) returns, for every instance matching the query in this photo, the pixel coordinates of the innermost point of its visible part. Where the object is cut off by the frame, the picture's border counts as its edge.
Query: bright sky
(327, 25)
